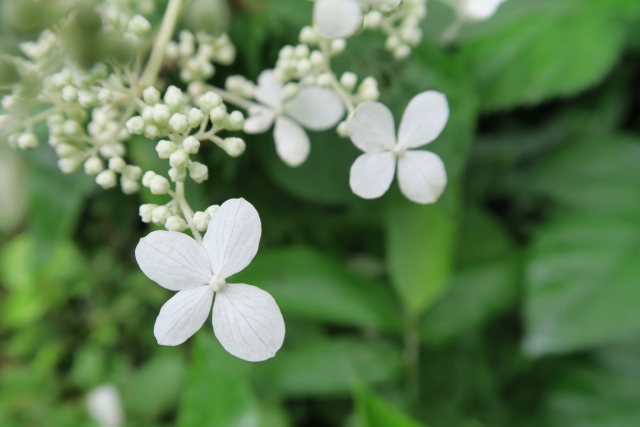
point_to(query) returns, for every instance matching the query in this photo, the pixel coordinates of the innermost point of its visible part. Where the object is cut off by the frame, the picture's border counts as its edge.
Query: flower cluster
(92, 114)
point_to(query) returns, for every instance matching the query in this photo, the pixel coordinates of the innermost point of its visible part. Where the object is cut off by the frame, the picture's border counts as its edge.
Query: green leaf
(604, 393)
(582, 284)
(372, 411)
(326, 367)
(311, 285)
(420, 241)
(218, 392)
(484, 284)
(13, 193)
(558, 49)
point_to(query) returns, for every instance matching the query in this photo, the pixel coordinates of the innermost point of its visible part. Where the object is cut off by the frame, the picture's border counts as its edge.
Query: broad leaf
(310, 285)
(372, 411)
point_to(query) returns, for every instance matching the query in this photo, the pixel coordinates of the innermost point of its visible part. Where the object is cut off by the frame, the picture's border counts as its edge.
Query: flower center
(217, 283)
(398, 150)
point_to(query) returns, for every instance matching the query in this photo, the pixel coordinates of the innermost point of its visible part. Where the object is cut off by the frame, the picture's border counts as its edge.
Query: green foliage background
(521, 286)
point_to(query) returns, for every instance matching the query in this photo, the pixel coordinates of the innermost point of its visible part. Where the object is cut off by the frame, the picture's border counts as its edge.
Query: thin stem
(186, 210)
(337, 87)
(451, 33)
(411, 358)
(233, 99)
(164, 35)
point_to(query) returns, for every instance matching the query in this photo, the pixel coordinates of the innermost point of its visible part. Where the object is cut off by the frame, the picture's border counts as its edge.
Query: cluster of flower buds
(195, 62)
(402, 27)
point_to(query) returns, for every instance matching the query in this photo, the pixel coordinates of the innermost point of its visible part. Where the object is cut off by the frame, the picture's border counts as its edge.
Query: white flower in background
(337, 18)
(246, 319)
(314, 107)
(421, 174)
(478, 10)
(104, 406)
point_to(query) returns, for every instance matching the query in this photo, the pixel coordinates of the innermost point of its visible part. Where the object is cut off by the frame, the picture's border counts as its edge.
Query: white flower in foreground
(314, 107)
(478, 10)
(246, 320)
(104, 406)
(337, 18)
(421, 174)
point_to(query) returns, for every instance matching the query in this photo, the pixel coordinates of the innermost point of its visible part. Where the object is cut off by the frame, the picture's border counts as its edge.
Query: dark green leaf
(372, 411)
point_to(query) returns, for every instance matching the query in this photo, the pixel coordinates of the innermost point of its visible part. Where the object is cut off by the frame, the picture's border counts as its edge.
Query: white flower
(478, 10)
(337, 18)
(313, 107)
(421, 174)
(104, 406)
(246, 319)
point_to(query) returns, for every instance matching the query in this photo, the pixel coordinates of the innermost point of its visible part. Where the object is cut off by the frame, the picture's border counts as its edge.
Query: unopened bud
(211, 210)
(209, 101)
(338, 46)
(235, 121)
(159, 185)
(160, 214)
(201, 221)
(135, 125)
(175, 223)
(146, 212)
(218, 115)
(151, 95)
(198, 172)
(148, 176)
(93, 166)
(139, 25)
(234, 146)
(107, 179)
(129, 186)
(69, 164)
(161, 114)
(191, 145)
(179, 159)
(348, 81)
(179, 122)
(165, 148)
(309, 36)
(195, 117)
(178, 174)
(117, 164)
(27, 141)
(173, 98)
(69, 94)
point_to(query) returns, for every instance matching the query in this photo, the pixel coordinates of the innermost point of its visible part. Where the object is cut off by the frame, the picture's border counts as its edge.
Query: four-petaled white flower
(246, 319)
(478, 10)
(421, 174)
(314, 107)
(337, 18)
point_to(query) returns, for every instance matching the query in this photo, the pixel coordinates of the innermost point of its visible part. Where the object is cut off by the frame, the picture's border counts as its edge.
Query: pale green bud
(159, 185)
(198, 172)
(179, 159)
(191, 145)
(178, 174)
(107, 179)
(165, 149)
(234, 146)
(93, 166)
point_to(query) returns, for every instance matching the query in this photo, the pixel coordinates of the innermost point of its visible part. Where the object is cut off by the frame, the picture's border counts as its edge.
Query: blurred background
(515, 301)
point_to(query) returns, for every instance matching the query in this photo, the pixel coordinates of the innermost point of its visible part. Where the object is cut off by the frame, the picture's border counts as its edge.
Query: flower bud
(348, 81)
(160, 214)
(69, 93)
(209, 101)
(159, 185)
(211, 210)
(129, 186)
(393, 42)
(316, 58)
(87, 99)
(148, 176)
(66, 150)
(71, 127)
(287, 52)
(179, 122)
(93, 166)
(218, 115)
(325, 79)
(27, 141)
(173, 98)
(146, 212)
(303, 66)
(132, 172)
(147, 114)
(165, 148)
(175, 223)
(107, 179)
(161, 114)
(69, 165)
(302, 51)
(191, 145)
(195, 117)
(151, 131)
(179, 159)
(338, 46)
(105, 96)
(309, 36)
(117, 164)
(343, 129)
(233, 146)
(401, 52)
(235, 121)
(201, 221)
(198, 172)
(139, 25)
(135, 125)
(178, 174)
(373, 19)
(151, 95)
(290, 90)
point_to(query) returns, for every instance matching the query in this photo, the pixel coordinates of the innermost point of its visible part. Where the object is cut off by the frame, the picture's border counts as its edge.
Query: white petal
(233, 237)
(337, 18)
(371, 174)
(316, 108)
(248, 322)
(372, 128)
(173, 260)
(183, 315)
(478, 10)
(422, 176)
(260, 120)
(269, 89)
(292, 142)
(424, 119)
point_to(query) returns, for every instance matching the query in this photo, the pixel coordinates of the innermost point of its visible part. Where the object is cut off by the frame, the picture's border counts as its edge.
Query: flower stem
(231, 98)
(164, 35)
(186, 210)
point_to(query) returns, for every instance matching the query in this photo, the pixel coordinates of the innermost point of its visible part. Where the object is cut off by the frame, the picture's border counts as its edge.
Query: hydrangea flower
(421, 174)
(337, 18)
(478, 10)
(246, 319)
(314, 107)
